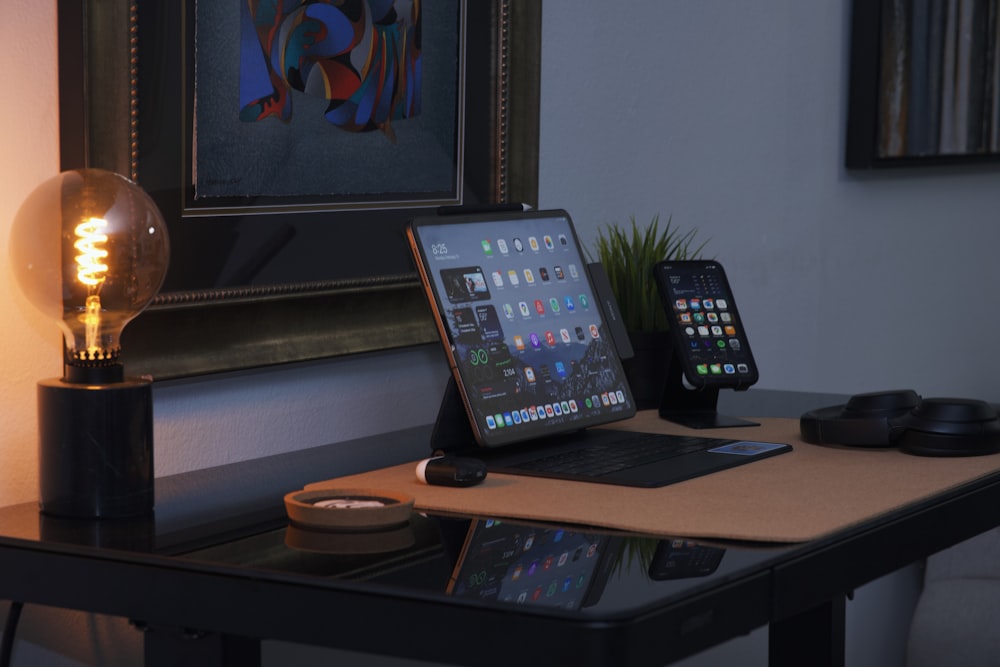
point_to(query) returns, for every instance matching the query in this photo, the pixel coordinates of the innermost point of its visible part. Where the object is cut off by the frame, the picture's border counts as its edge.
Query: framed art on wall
(924, 83)
(288, 150)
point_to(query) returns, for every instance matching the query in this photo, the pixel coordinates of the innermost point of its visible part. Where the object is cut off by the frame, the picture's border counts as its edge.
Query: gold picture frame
(204, 328)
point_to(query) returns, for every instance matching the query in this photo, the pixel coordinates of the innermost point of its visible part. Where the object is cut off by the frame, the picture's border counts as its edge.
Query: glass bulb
(90, 250)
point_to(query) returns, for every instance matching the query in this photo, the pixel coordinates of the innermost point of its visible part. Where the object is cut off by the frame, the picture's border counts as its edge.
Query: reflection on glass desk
(221, 558)
(644, 599)
(565, 569)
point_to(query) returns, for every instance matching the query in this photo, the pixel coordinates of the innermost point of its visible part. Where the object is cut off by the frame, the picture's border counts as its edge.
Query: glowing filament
(92, 323)
(91, 269)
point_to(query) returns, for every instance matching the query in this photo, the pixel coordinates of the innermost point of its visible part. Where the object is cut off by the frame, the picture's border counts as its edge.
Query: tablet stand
(694, 408)
(452, 431)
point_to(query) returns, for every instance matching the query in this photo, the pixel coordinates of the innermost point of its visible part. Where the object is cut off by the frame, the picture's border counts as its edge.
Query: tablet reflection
(564, 567)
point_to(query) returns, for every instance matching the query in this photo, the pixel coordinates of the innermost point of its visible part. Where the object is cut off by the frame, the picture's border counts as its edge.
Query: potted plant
(628, 253)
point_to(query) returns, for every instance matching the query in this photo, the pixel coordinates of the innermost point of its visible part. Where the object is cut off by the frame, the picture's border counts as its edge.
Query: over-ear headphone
(924, 426)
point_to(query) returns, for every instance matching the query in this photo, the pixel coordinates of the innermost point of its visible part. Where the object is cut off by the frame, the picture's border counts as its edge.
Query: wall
(29, 119)
(727, 116)
(731, 118)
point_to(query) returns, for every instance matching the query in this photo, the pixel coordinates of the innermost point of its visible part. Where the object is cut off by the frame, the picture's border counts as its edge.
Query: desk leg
(814, 637)
(169, 647)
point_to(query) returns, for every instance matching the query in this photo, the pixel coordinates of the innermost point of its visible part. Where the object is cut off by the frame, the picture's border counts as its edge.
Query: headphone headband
(864, 421)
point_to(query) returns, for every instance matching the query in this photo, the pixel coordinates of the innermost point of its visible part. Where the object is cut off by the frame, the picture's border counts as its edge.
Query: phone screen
(681, 559)
(705, 324)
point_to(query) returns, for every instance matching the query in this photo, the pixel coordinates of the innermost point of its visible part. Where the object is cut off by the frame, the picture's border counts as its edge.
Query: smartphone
(681, 559)
(705, 325)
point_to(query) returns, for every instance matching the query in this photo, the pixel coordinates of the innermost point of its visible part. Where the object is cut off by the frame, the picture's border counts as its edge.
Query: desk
(214, 565)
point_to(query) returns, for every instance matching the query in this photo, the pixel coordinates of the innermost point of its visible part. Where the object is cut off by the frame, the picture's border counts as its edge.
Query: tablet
(523, 331)
(533, 565)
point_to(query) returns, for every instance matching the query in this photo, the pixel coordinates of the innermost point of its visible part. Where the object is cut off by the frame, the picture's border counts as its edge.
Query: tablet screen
(521, 325)
(533, 565)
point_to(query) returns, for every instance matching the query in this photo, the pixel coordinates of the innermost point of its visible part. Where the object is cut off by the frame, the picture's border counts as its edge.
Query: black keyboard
(612, 455)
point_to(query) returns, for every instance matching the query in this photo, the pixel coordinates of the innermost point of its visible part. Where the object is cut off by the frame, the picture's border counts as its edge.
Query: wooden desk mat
(794, 497)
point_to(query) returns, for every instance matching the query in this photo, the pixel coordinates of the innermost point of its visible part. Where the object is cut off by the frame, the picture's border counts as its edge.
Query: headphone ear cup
(864, 421)
(950, 427)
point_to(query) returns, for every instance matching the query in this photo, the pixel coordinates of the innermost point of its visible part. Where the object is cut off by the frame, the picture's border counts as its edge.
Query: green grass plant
(628, 253)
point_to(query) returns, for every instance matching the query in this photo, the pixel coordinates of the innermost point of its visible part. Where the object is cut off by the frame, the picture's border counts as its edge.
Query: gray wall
(730, 117)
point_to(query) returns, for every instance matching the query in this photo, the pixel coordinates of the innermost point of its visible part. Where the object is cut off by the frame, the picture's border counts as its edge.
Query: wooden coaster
(356, 509)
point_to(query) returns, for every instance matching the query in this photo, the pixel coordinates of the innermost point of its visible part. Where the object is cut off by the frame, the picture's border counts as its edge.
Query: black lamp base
(95, 448)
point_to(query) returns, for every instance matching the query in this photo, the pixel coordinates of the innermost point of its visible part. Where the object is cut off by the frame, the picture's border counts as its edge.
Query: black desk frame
(201, 614)
(230, 609)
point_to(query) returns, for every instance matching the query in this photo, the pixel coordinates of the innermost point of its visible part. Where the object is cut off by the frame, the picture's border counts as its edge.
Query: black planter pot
(647, 370)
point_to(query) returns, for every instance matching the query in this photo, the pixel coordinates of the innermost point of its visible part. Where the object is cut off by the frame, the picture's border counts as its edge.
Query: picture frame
(345, 284)
(924, 83)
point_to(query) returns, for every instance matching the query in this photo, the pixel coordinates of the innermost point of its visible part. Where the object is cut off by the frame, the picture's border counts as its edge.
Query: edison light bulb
(90, 250)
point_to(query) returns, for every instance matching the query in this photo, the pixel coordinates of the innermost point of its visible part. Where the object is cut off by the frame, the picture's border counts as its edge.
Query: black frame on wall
(924, 83)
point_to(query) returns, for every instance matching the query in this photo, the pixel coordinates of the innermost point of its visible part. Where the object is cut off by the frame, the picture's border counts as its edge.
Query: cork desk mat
(794, 497)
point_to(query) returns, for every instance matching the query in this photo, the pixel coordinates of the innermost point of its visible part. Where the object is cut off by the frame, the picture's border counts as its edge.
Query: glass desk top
(541, 568)
(563, 568)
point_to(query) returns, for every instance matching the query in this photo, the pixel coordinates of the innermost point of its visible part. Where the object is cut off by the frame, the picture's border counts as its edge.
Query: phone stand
(694, 408)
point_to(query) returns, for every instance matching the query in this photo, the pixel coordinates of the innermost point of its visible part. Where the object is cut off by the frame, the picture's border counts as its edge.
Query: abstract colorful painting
(364, 56)
(337, 102)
